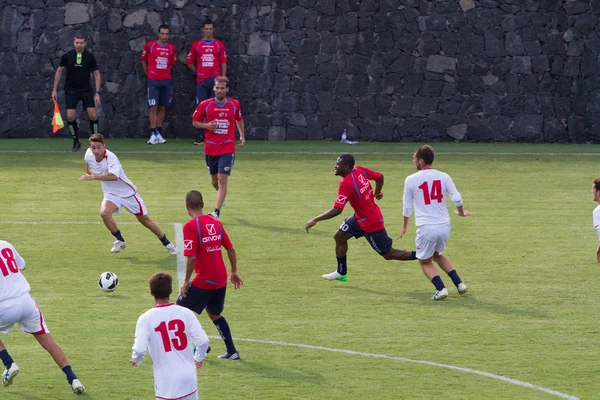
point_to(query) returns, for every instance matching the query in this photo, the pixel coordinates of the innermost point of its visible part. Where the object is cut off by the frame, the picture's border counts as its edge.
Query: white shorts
(23, 311)
(431, 238)
(134, 204)
(193, 396)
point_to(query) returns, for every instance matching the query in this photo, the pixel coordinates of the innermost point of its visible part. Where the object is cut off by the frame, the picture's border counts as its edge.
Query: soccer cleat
(198, 142)
(9, 374)
(117, 246)
(234, 356)
(335, 276)
(160, 139)
(76, 146)
(152, 139)
(171, 248)
(224, 202)
(214, 214)
(440, 294)
(462, 288)
(77, 387)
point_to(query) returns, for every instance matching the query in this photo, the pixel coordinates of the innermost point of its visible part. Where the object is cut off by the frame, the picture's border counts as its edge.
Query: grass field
(529, 321)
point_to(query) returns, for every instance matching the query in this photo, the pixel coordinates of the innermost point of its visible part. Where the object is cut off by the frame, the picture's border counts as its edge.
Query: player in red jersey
(367, 219)
(157, 59)
(203, 237)
(207, 59)
(219, 116)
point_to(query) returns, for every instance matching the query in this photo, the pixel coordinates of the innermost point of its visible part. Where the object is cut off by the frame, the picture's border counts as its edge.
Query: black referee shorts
(73, 96)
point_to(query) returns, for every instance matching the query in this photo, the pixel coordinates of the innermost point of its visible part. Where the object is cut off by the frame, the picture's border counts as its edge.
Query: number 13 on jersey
(435, 193)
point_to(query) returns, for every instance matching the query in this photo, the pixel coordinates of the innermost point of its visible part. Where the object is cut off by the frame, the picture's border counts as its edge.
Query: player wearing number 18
(425, 191)
(168, 330)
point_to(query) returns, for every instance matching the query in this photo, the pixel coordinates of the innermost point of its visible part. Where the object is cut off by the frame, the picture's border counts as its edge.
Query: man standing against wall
(207, 59)
(157, 59)
(79, 64)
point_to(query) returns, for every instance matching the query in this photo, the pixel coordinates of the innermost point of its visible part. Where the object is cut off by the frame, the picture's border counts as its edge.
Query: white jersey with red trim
(169, 331)
(12, 282)
(122, 187)
(426, 192)
(596, 215)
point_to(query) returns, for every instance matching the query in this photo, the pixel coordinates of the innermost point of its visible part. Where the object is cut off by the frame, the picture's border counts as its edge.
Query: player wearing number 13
(169, 330)
(425, 191)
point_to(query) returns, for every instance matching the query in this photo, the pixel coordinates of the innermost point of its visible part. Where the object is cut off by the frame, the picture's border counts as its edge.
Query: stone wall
(387, 70)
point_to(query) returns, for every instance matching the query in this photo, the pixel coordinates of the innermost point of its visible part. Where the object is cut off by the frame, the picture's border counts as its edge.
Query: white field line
(73, 223)
(430, 363)
(460, 153)
(181, 262)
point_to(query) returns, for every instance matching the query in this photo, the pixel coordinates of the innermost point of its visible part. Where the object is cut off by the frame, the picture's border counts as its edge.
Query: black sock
(342, 268)
(159, 129)
(164, 240)
(455, 278)
(69, 373)
(152, 130)
(437, 282)
(6, 358)
(93, 127)
(117, 234)
(223, 329)
(73, 129)
(218, 212)
(414, 255)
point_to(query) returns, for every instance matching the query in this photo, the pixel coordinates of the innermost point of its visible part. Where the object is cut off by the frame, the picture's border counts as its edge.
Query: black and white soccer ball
(108, 281)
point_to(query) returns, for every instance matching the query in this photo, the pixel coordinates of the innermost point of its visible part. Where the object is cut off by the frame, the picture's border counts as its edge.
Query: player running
(367, 219)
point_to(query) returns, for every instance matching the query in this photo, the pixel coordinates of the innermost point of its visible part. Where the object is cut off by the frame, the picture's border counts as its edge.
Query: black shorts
(379, 240)
(198, 299)
(221, 164)
(73, 96)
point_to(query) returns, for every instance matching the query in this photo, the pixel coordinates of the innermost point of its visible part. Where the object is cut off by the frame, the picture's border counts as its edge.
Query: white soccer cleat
(77, 387)
(224, 202)
(160, 139)
(440, 294)
(462, 288)
(172, 250)
(335, 276)
(117, 246)
(152, 139)
(214, 215)
(9, 374)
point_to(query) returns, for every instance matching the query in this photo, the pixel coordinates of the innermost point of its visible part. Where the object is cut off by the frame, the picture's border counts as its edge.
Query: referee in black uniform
(79, 64)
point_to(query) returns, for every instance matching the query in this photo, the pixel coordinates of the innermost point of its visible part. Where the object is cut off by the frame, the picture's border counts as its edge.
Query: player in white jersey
(425, 191)
(103, 165)
(18, 307)
(169, 330)
(596, 213)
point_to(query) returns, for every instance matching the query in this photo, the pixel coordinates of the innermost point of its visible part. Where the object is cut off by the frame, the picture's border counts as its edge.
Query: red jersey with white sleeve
(356, 189)
(203, 237)
(169, 331)
(222, 139)
(12, 282)
(122, 187)
(425, 191)
(208, 55)
(160, 59)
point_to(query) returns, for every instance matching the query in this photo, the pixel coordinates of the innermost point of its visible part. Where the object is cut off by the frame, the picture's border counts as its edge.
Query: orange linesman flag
(57, 121)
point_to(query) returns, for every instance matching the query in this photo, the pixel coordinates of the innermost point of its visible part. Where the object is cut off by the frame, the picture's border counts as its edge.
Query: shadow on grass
(271, 372)
(281, 229)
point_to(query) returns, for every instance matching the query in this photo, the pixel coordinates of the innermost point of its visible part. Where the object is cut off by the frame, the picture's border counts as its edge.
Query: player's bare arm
(461, 212)
(145, 67)
(404, 228)
(211, 126)
(598, 253)
(189, 267)
(98, 81)
(57, 77)
(98, 177)
(235, 278)
(334, 212)
(192, 67)
(223, 69)
(240, 127)
(378, 186)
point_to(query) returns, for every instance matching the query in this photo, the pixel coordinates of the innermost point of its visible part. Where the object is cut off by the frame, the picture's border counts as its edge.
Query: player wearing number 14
(425, 191)
(169, 330)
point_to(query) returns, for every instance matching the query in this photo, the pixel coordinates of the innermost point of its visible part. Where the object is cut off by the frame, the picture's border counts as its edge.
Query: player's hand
(212, 125)
(310, 224)
(97, 99)
(184, 288)
(379, 195)
(402, 233)
(242, 142)
(598, 257)
(236, 280)
(54, 96)
(133, 364)
(465, 213)
(85, 177)
(198, 364)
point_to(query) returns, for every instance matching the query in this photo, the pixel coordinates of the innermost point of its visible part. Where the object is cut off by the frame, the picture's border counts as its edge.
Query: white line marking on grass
(430, 363)
(180, 257)
(68, 223)
(402, 153)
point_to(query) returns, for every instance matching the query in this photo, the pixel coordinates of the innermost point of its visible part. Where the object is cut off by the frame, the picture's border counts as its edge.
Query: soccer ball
(108, 281)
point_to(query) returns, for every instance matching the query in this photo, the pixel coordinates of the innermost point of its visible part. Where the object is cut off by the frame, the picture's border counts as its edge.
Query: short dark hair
(425, 153)
(222, 79)
(80, 35)
(597, 184)
(164, 26)
(208, 21)
(161, 285)
(194, 200)
(347, 159)
(97, 137)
